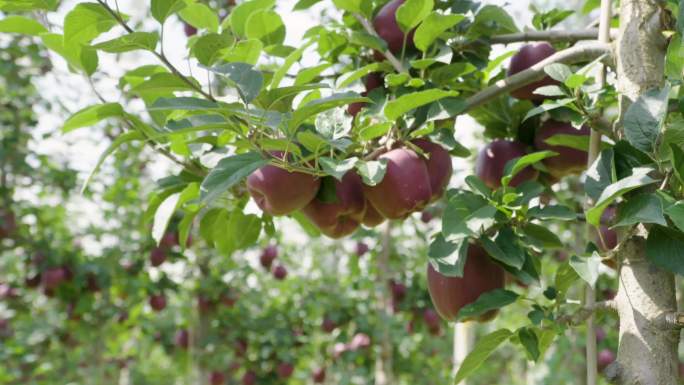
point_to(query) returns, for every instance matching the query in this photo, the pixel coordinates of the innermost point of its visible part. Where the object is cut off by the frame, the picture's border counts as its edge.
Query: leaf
(644, 119)
(432, 27)
(601, 174)
(548, 106)
(353, 6)
(350, 77)
(448, 257)
(412, 12)
(643, 208)
(478, 186)
(209, 48)
(28, 5)
(130, 42)
(228, 172)
(483, 349)
(558, 71)
(375, 130)
(466, 215)
(678, 161)
(514, 166)
(491, 20)
(290, 60)
(587, 268)
(267, 26)
(505, 248)
(664, 249)
(317, 106)
(372, 172)
(120, 140)
(638, 179)
(184, 103)
(676, 214)
(528, 339)
(565, 278)
(92, 115)
(240, 231)
(163, 215)
(337, 168)
(162, 9)
(245, 51)
(407, 102)
(161, 83)
(562, 213)
(491, 300)
(577, 142)
(85, 22)
(240, 14)
(200, 16)
(247, 80)
(305, 4)
(541, 236)
(22, 25)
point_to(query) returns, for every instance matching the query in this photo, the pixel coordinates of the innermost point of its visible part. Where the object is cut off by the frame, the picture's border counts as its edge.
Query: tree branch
(583, 313)
(550, 36)
(388, 55)
(576, 54)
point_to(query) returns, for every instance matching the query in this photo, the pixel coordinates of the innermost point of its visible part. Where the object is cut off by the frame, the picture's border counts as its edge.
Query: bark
(647, 352)
(383, 363)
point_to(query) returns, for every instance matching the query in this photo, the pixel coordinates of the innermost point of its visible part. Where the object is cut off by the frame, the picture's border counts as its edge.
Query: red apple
(318, 375)
(398, 290)
(405, 187)
(372, 217)
(182, 339)
(526, 57)
(480, 275)
(600, 334)
(328, 325)
(569, 160)
(189, 30)
(361, 248)
(373, 80)
(605, 358)
(343, 217)
(431, 319)
(157, 302)
(426, 217)
(204, 304)
(157, 256)
(240, 347)
(217, 378)
(169, 240)
(438, 164)
(609, 239)
(52, 278)
(229, 299)
(284, 370)
(279, 272)
(279, 192)
(385, 24)
(249, 378)
(268, 254)
(359, 341)
(492, 160)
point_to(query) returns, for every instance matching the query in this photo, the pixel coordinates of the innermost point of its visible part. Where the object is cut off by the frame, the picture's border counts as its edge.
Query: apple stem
(388, 55)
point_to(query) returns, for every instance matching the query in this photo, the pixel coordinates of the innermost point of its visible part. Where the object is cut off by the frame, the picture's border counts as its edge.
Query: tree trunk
(383, 362)
(647, 352)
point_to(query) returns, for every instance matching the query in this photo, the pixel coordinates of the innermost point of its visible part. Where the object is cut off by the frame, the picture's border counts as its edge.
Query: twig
(576, 54)
(390, 57)
(583, 313)
(550, 36)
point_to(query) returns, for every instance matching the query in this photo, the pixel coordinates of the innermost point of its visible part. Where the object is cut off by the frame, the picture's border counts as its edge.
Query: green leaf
(558, 71)
(513, 167)
(407, 102)
(372, 172)
(210, 48)
(317, 106)
(305, 4)
(307, 75)
(478, 186)
(565, 277)
(664, 248)
(130, 42)
(364, 39)
(562, 213)
(577, 142)
(22, 25)
(163, 215)
(483, 349)
(353, 6)
(241, 231)
(245, 51)
(350, 77)
(92, 115)
(200, 16)
(337, 168)
(184, 103)
(643, 208)
(529, 340)
(601, 174)
(162, 9)
(228, 172)
(412, 12)
(432, 27)
(116, 143)
(290, 60)
(86, 22)
(548, 106)
(644, 119)
(505, 248)
(638, 179)
(28, 5)
(448, 257)
(491, 21)
(267, 26)
(678, 161)
(309, 228)
(491, 300)
(467, 214)
(247, 80)
(541, 236)
(240, 14)
(676, 214)
(587, 268)
(161, 83)
(374, 131)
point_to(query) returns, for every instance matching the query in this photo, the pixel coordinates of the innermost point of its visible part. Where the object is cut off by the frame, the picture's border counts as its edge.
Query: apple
(426, 217)
(284, 370)
(605, 358)
(438, 164)
(229, 298)
(608, 240)
(569, 160)
(157, 302)
(372, 217)
(249, 378)
(240, 347)
(8, 223)
(169, 240)
(279, 272)
(385, 24)
(373, 80)
(328, 325)
(217, 378)
(361, 248)
(189, 30)
(33, 281)
(526, 57)
(405, 187)
(280, 192)
(480, 275)
(182, 339)
(268, 254)
(204, 304)
(359, 341)
(157, 256)
(52, 278)
(341, 218)
(431, 319)
(398, 290)
(492, 160)
(8, 292)
(318, 375)
(600, 334)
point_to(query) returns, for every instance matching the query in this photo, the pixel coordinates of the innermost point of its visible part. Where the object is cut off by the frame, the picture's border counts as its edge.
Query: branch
(390, 57)
(583, 313)
(576, 54)
(670, 321)
(550, 36)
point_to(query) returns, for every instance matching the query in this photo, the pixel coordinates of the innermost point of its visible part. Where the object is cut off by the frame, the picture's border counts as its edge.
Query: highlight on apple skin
(569, 160)
(492, 159)
(526, 57)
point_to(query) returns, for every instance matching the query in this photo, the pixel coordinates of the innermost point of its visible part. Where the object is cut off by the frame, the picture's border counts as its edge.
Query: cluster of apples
(411, 182)
(268, 255)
